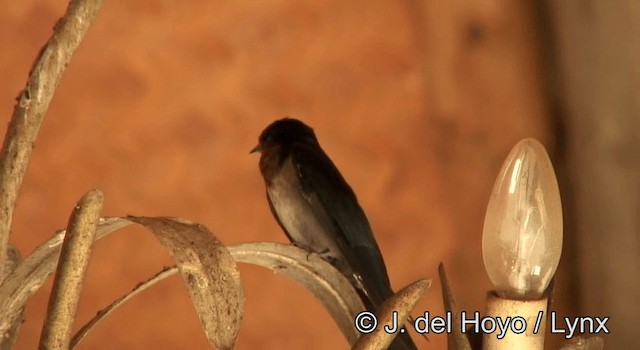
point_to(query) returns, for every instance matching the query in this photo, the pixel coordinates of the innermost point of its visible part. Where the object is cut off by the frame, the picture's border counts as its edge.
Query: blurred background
(417, 103)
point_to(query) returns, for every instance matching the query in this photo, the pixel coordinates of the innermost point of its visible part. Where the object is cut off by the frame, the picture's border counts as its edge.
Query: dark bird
(319, 212)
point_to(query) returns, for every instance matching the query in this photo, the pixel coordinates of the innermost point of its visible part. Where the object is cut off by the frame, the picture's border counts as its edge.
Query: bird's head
(284, 133)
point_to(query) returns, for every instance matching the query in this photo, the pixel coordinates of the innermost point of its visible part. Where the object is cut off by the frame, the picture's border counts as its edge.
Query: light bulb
(522, 235)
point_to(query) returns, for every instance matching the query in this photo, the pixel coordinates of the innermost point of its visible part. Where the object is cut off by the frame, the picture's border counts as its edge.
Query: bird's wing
(321, 179)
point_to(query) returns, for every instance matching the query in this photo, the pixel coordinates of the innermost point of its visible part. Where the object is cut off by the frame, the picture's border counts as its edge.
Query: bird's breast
(302, 215)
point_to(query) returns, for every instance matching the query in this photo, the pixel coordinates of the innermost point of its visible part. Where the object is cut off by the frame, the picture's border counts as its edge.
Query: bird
(319, 212)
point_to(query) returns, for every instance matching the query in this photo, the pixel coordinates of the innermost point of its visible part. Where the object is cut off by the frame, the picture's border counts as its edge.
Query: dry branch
(32, 104)
(72, 266)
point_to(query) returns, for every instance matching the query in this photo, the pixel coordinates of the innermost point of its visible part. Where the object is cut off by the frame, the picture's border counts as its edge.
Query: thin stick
(72, 265)
(82, 333)
(32, 104)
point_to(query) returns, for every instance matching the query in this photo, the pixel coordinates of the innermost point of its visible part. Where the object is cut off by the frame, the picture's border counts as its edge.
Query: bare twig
(32, 104)
(72, 265)
(82, 333)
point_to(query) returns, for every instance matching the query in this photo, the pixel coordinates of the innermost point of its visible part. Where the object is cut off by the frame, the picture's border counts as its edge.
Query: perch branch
(32, 104)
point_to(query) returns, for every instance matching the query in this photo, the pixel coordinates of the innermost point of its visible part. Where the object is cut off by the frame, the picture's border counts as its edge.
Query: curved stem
(32, 105)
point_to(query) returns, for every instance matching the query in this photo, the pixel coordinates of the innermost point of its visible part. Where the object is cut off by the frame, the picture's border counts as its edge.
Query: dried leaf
(394, 310)
(210, 273)
(326, 283)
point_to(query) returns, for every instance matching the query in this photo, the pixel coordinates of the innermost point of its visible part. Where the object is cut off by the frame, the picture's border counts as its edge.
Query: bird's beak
(255, 149)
